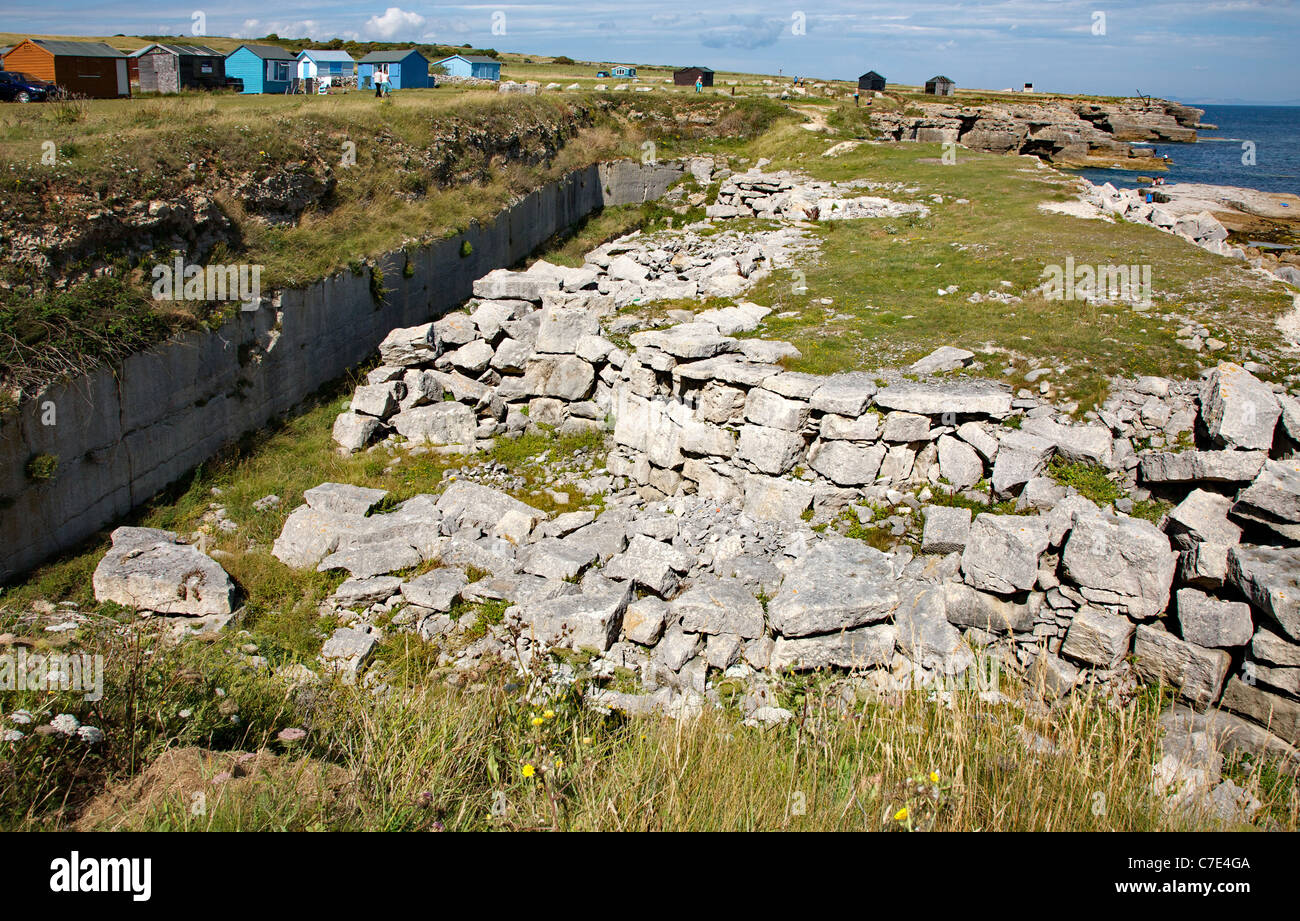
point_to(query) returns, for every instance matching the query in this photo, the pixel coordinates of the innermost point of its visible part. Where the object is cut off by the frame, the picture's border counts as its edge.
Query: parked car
(602, 73)
(20, 87)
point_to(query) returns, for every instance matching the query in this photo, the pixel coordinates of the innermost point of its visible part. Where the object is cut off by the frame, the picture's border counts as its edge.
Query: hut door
(123, 85)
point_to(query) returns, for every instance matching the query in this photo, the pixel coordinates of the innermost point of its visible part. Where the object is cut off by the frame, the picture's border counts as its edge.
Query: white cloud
(393, 23)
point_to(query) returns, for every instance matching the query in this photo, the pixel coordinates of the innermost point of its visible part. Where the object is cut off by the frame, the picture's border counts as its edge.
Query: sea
(1254, 147)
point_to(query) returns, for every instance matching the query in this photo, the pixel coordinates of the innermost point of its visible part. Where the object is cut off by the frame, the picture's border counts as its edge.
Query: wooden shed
(478, 66)
(871, 82)
(90, 69)
(406, 69)
(172, 68)
(688, 75)
(261, 68)
(940, 86)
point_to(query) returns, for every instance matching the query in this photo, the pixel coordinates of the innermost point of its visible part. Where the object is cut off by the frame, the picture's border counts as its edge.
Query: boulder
(585, 621)
(1002, 552)
(763, 407)
(1097, 638)
(866, 647)
(959, 463)
(969, 607)
(436, 590)
(1269, 577)
(416, 345)
(945, 358)
(1210, 466)
(1121, 561)
(1273, 500)
(838, 584)
(1238, 409)
(719, 606)
(352, 431)
(925, 635)
(343, 498)
(1210, 622)
(947, 529)
(769, 450)
(151, 570)
(1197, 672)
(566, 377)
(847, 464)
(846, 394)
(649, 563)
(1280, 715)
(960, 398)
(1202, 517)
(446, 423)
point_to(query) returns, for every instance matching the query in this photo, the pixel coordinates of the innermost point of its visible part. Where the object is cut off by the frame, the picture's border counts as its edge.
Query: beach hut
(688, 75)
(406, 69)
(3, 51)
(940, 86)
(623, 70)
(321, 62)
(871, 82)
(91, 69)
(172, 68)
(470, 65)
(262, 68)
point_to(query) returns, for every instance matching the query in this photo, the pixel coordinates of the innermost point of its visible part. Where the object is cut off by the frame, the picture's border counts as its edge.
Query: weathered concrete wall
(123, 434)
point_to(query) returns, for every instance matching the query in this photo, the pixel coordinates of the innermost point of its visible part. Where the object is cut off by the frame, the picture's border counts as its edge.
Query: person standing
(699, 83)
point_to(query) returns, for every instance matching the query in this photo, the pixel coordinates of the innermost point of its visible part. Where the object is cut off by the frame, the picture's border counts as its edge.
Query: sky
(1194, 50)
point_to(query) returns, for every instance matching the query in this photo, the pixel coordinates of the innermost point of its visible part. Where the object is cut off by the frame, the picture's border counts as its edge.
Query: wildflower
(559, 763)
(934, 777)
(91, 735)
(901, 815)
(21, 717)
(529, 770)
(11, 735)
(549, 714)
(537, 721)
(65, 724)
(586, 740)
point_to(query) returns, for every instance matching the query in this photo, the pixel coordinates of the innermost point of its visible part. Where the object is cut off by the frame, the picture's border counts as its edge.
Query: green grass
(1090, 480)
(884, 274)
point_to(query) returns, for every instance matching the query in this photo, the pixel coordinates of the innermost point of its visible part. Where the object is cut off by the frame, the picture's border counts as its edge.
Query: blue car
(20, 87)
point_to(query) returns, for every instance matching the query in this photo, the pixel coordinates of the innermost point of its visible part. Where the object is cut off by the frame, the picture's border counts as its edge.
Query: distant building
(322, 62)
(406, 69)
(940, 86)
(471, 65)
(261, 68)
(688, 75)
(172, 68)
(871, 82)
(91, 69)
(1029, 87)
(622, 70)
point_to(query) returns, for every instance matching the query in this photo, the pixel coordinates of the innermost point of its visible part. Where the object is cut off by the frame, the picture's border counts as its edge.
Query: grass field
(476, 752)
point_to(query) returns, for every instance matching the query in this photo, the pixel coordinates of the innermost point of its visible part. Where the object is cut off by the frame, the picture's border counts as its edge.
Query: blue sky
(1187, 49)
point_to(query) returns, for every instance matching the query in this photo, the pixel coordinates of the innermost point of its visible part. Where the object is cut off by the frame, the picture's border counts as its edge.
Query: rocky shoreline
(1066, 134)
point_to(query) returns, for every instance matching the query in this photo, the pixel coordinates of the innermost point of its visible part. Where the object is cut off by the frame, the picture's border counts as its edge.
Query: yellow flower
(586, 740)
(901, 815)
(529, 770)
(559, 763)
(934, 776)
(537, 721)
(549, 714)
